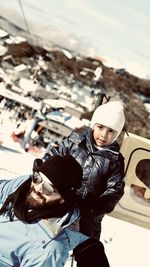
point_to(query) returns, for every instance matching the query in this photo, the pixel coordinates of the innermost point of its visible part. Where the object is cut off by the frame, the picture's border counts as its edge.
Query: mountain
(113, 83)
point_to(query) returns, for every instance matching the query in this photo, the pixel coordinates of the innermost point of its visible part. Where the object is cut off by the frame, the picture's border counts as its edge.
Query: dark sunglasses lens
(37, 179)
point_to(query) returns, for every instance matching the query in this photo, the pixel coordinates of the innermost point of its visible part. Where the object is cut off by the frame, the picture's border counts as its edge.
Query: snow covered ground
(126, 244)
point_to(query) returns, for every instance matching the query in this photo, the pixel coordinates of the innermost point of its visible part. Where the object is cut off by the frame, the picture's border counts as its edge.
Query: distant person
(143, 171)
(97, 151)
(140, 190)
(39, 217)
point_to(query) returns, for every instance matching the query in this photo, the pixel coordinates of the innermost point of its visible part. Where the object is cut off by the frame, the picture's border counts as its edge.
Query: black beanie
(64, 172)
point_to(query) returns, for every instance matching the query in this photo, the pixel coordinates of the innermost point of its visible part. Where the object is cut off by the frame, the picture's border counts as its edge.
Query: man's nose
(39, 188)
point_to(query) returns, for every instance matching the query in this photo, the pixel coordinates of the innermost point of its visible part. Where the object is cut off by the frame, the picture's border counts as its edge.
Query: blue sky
(116, 30)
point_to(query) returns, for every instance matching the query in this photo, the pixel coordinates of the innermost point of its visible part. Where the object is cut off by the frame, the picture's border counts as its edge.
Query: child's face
(103, 136)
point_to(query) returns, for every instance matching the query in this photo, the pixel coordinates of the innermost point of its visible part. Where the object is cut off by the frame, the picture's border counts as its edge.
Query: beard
(35, 199)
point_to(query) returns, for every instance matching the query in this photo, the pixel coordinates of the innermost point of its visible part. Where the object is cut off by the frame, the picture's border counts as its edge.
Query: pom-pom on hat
(64, 172)
(110, 115)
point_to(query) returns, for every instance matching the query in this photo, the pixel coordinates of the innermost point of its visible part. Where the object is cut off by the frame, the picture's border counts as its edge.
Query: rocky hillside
(72, 68)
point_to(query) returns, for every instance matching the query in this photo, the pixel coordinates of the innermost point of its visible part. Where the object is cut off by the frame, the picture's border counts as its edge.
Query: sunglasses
(47, 186)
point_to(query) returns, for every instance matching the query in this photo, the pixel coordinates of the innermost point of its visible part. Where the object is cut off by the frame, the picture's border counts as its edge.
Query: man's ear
(36, 164)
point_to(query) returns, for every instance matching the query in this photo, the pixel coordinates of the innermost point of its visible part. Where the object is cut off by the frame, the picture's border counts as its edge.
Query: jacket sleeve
(115, 187)
(105, 203)
(9, 186)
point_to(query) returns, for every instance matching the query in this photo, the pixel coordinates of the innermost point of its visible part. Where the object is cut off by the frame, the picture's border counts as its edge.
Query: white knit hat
(110, 115)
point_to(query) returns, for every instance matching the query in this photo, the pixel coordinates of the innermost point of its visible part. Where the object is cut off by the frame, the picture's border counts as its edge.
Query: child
(97, 151)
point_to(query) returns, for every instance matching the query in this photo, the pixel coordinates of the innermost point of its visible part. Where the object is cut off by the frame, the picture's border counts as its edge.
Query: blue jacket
(34, 244)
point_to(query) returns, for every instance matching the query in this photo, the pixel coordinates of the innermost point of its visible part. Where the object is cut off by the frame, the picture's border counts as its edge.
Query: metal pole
(24, 17)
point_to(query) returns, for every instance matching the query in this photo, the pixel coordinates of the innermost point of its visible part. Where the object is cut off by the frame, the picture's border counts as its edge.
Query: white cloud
(132, 67)
(136, 69)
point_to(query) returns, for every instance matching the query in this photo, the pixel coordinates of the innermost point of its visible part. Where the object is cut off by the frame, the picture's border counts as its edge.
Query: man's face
(103, 136)
(42, 193)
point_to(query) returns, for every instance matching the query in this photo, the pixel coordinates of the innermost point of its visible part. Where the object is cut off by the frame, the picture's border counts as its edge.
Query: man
(39, 217)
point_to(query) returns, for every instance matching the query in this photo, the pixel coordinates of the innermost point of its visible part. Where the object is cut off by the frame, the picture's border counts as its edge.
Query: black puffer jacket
(103, 173)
